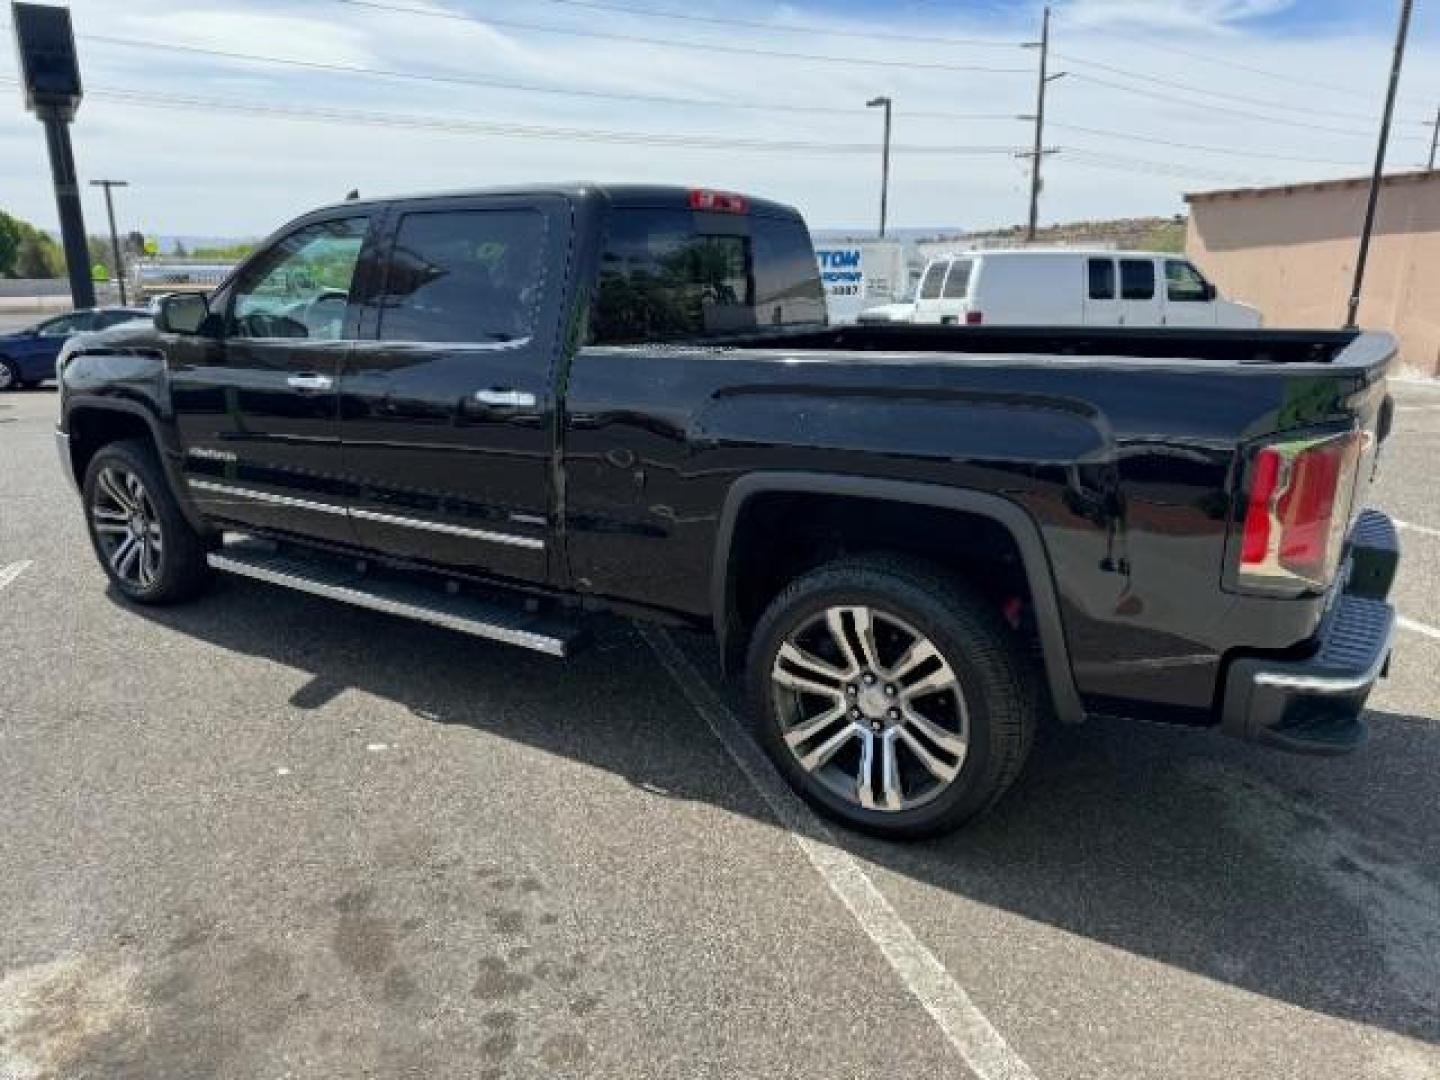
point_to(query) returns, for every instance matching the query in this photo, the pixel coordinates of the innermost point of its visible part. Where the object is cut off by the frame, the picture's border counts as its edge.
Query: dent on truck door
(257, 406)
(447, 402)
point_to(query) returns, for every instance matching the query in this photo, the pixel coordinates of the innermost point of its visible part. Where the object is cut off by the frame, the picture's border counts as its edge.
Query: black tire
(995, 708)
(9, 374)
(178, 567)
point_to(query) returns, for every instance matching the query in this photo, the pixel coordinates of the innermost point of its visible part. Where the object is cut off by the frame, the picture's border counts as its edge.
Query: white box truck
(861, 274)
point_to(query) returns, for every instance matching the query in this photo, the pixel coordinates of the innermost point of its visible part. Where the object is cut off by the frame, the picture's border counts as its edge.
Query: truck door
(1188, 299)
(1140, 303)
(447, 400)
(1102, 303)
(257, 405)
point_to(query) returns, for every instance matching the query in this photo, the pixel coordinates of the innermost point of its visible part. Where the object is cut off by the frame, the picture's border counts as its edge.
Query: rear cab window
(669, 274)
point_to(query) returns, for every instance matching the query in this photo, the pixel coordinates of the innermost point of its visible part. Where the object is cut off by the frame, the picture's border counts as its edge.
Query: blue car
(28, 356)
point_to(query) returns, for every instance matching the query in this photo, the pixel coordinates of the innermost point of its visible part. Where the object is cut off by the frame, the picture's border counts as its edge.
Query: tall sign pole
(1379, 174)
(114, 236)
(1434, 137)
(51, 78)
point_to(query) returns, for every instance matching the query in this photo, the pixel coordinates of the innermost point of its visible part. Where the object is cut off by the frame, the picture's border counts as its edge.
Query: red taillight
(720, 202)
(1257, 513)
(974, 318)
(1297, 510)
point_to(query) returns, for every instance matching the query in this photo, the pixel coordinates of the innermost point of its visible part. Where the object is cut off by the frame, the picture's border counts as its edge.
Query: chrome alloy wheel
(870, 707)
(127, 527)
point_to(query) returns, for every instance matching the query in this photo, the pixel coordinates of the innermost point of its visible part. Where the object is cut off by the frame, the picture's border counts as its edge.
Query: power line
(1225, 109)
(1206, 92)
(1078, 155)
(532, 88)
(1209, 58)
(456, 125)
(757, 24)
(701, 46)
(1127, 163)
(1229, 151)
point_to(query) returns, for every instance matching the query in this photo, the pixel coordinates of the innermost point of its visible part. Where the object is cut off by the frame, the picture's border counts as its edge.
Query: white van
(1073, 287)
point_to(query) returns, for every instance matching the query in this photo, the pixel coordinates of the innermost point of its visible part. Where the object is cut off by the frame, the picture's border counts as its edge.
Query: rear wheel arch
(730, 564)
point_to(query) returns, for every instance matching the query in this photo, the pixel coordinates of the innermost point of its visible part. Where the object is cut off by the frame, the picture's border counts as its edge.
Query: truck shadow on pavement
(1312, 882)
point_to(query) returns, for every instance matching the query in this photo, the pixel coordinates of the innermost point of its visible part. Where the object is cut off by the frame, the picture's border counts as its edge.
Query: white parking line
(1423, 530)
(983, 1048)
(13, 571)
(1417, 627)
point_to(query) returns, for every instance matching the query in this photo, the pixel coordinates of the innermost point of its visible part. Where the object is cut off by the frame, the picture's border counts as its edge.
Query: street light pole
(884, 160)
(114, 236)
(1401, 33)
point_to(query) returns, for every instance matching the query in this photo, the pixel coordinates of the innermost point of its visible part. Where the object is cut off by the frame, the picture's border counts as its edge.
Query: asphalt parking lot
(264, 835)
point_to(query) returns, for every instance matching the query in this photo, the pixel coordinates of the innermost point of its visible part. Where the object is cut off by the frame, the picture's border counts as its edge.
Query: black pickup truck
(496, 410)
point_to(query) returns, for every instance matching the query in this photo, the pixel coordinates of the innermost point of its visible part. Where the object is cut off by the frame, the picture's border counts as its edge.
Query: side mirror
(182, 313)
(1211, 292)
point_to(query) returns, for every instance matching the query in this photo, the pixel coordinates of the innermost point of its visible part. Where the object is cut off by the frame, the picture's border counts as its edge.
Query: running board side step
(338, 579)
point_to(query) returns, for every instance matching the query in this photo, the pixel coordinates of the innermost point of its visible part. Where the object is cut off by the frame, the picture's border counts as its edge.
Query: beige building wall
(1290, 251)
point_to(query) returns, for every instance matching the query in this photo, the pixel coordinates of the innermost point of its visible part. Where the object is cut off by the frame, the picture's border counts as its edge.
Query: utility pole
(1039, 117)
(1434, 137)
(884, 160)
(114, 236)
(1401, 33)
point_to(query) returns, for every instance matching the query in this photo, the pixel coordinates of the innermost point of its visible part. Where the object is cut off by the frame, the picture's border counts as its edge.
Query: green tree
(11, 233)
(38, 257)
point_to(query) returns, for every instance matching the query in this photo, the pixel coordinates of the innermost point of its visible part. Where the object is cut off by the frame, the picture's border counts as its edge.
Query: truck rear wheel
(143, 541)
(890, 697)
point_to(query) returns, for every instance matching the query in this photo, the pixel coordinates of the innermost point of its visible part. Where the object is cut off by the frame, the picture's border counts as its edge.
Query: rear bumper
(1314, 705)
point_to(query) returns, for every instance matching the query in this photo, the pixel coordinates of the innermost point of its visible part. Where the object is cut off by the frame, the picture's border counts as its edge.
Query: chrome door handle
(309, 381)
(508, 399)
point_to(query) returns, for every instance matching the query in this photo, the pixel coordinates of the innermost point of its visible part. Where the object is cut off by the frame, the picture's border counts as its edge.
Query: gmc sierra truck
(497, 410)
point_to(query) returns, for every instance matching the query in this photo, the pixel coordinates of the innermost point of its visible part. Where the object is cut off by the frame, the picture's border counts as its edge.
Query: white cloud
(1171, 14)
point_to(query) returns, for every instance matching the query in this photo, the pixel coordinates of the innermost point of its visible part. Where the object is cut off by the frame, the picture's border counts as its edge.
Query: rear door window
(933, 280)
(1137, 279)
(464, 276)
(670, 274)
(957, 282)
(1102, 279)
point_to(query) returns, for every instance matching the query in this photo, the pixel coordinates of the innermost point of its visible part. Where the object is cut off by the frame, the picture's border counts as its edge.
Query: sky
(1158, 97)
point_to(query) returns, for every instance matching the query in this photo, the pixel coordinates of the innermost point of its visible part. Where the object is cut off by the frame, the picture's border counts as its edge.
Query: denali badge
(207, 454)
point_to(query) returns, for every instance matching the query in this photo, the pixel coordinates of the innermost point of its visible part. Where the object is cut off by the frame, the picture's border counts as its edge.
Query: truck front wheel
(891, 697)
(145, 545)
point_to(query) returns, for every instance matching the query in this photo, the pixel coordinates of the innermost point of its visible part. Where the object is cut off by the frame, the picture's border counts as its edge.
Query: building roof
(1390, 179)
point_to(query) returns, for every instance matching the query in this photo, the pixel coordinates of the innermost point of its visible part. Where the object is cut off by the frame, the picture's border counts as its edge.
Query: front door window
(300, 288)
